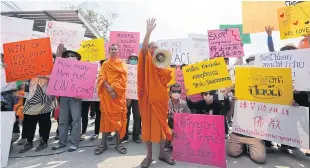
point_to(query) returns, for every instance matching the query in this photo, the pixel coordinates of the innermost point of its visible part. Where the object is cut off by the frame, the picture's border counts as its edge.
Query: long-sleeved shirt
(202, 107)
(270, 44)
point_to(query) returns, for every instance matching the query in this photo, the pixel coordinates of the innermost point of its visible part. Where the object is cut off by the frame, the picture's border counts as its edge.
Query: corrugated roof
(40, 18)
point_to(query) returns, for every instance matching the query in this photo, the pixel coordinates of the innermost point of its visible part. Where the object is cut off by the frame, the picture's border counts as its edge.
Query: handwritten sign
(92, 50)
(267, 85)
(128, 42)
(297, 60)
(96, 96)
(72, 78)
(70, 34)
(179, 48)
(36, 35)
(246, 38)
(180, 81)
(225, 43)
(258, 14)
(6, 127)
(294, 21)
(131, 92)
(27, 59)
(287, 125)
(106, 50)
(15, 29)
(196, 97)
(200, 139)
(206, 76)
(199, 44)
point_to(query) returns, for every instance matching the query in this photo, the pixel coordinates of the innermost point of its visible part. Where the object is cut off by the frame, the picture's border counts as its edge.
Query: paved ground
(84, 157)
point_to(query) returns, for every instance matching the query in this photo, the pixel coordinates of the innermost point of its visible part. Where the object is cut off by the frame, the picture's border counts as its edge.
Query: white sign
(70, 34)
(15, 29)
(6, 127)
(298, 60)
(278, 123)
(199, 47)
(131, 92)
(179, 48)
(36, 35)
(96, 96)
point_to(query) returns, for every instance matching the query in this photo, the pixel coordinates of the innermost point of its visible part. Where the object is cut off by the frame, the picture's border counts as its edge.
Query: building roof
(40, 18)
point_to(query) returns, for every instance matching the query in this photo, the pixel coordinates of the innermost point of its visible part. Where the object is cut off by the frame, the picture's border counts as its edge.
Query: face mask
(176, 96)
(251, 63)
(133, 61)
(208, 97)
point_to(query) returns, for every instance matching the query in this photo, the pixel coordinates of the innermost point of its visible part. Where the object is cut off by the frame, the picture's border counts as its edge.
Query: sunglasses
(176, 91)
(133, 59)
(208, 93)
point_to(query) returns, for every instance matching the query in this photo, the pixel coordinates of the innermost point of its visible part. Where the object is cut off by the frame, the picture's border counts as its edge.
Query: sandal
(121, 149)
(100, 149)
(146, 162)
(167, 160)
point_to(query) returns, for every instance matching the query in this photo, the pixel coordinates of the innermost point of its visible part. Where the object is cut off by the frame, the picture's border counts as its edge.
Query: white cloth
(6, 86)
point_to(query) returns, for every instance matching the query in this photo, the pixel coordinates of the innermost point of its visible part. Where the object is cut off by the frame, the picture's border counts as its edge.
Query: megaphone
(162, 58)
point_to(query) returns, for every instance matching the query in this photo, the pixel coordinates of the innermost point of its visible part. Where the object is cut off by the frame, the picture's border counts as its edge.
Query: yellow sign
(294, 21)
(173, 80)
(258, 14)
(205, 76)
(267, 85)
(92, 50)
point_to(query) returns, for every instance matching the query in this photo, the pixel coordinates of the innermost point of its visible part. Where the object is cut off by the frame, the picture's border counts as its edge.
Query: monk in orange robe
(153, 99)
(112, 85)
(19, 106)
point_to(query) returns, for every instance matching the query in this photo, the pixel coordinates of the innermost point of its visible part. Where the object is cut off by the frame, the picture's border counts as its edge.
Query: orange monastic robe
(113, 111)
(19, 106)
(153, 100)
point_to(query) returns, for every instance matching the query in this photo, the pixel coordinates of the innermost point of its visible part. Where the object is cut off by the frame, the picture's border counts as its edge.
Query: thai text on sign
(294, 21)
(199, 44)
(131, 92)
(128, 42)
(72, 78)
(297, 60)
(179, 49)
(267, 85)
(246, 38)
(92, 50)
(27, 59)
(225, 43)
(199, 139)
(206, 76)
(283, 124)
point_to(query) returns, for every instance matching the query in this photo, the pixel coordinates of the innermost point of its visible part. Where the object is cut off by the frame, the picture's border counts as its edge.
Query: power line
(15, 5)
(8, 5)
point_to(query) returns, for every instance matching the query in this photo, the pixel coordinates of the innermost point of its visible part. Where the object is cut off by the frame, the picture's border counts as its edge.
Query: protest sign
(180, 81)
(232, 72)
(206, 76)
(288, 3)
(95, 96)
(92, 50)
(106, 50)
(36, 35)
(128, 42)
(15, 29)
(72, 78)
(258, 14)
(70, 34)
(297, 60)
(282, 124)
(294, 21)
(199, 139)
(196, 97)
(131, 92)
(179, 48)
(246, 38)
(199, 50)
(27, 59)
(225, 43)
(267, 85)
(6, 127)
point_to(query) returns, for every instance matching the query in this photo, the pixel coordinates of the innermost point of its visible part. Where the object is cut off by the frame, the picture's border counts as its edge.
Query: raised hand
(150, 25)
(269, 30)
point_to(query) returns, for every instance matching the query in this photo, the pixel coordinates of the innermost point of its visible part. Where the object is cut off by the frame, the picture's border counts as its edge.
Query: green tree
(99, 21)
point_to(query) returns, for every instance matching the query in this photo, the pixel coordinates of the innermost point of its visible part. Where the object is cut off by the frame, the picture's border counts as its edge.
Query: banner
(6, 127)
(95, 96)
(267, 85)
(128, 42)
(72, 78)
(36, 35)
(258, 14)
(15, 29)
(297, 60)
(200, 139)
(206, 76)
(92, 50)
(294, 21)
(246, 38)
(27, 59)
(132, 92)
(225, 43)
(282, 124)
(70, 34)
(179, 48)
(199, 47)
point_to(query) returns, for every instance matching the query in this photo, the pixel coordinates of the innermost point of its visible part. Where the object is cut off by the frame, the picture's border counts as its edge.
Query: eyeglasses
(208, 93)
(176, 91)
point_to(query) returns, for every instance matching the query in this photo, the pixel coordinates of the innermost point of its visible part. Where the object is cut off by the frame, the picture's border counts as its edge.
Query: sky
(175, 18)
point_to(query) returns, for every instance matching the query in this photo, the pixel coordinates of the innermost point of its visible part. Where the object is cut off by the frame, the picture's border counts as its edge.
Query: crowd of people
(152, 113)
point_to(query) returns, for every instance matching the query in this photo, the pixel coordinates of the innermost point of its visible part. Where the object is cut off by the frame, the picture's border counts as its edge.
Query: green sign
(246, 38)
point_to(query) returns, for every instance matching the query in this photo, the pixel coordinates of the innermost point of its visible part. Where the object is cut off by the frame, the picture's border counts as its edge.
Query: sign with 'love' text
(199, 139)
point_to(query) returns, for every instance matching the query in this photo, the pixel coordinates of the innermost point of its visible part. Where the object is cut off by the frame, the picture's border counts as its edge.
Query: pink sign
(106, 50)
(180, 80)
(72, 78)
(128, 42)
(200, 139)
(196, 97)
(225, 43)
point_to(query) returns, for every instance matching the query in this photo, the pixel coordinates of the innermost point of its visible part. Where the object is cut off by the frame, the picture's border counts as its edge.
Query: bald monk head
(152, 47)
(113, 51)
